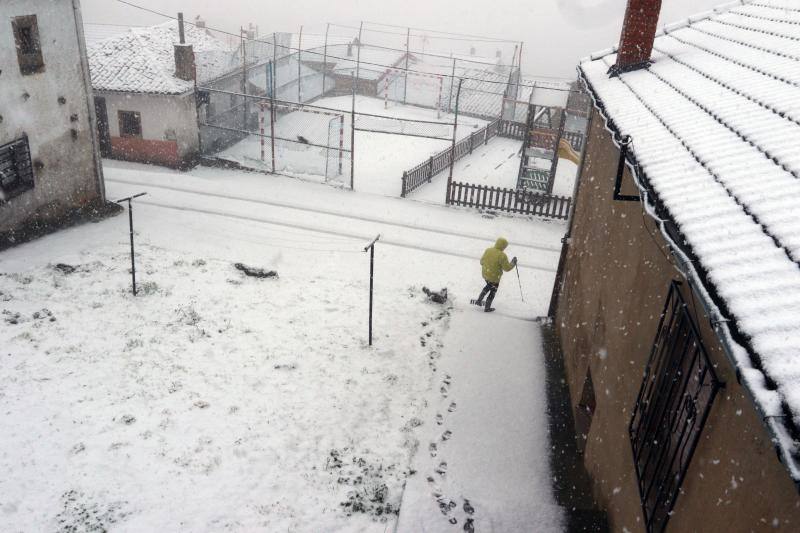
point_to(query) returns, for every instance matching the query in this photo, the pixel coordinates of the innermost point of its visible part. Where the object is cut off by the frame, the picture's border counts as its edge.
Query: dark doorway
(103, 133)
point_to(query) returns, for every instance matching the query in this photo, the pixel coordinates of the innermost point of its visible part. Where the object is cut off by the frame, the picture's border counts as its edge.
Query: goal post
(424, 90)
(305, 127)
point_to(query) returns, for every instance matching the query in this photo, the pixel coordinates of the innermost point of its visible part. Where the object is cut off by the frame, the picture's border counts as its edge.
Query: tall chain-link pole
(453, 145)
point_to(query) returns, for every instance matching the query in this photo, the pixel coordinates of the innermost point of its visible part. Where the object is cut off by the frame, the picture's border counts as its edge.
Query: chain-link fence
(301, 104)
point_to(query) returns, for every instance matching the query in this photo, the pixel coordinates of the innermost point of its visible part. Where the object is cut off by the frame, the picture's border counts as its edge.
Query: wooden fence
(510, 200)
(425, 171)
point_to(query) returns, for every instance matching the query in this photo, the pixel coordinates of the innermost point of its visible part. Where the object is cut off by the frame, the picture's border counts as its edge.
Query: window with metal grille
(130, 123)
(16, 171)
(674, 401)
(29, 49)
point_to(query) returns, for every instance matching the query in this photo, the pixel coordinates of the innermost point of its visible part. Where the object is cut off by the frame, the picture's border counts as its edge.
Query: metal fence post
(353, 136)
(453, 145)
(405, 74)
(325, 60)
(299, 65)
(403, 188)
(430, 169)
(452, 79)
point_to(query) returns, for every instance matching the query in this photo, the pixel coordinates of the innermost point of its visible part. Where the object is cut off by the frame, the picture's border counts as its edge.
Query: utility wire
(487, 39)
(329, 57)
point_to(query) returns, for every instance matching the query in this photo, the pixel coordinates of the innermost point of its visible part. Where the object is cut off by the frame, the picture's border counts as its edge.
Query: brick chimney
(638, 33)
(184, 55)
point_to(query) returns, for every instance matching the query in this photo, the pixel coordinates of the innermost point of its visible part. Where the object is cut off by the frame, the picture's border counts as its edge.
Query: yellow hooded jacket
(495, 261)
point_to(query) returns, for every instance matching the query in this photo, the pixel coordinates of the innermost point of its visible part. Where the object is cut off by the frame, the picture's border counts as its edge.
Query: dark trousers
(488, 291)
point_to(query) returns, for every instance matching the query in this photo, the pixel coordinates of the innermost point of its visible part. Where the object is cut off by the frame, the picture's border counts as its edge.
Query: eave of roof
(772, 406)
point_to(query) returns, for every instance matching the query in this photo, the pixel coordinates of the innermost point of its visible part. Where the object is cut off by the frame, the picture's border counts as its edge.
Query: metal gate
(674, 401)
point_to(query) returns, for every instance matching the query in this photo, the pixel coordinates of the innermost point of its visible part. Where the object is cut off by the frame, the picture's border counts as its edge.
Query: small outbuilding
(144, 90)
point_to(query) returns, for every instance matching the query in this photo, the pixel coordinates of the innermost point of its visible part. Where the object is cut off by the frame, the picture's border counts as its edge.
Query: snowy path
(488, 451)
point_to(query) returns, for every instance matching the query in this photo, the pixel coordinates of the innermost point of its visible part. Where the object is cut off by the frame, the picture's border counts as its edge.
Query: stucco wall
(616, 278)
(66, 170)
(166, 120)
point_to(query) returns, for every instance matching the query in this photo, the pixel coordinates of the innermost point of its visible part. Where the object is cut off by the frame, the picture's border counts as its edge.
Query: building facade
(677, 301)
(144, 87)
(49, 163)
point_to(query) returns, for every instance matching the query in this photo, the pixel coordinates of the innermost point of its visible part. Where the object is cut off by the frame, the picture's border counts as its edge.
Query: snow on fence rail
(510, 200)
(425, 171)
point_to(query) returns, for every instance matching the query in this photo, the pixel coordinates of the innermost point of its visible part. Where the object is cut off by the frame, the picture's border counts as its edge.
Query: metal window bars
(671, 410)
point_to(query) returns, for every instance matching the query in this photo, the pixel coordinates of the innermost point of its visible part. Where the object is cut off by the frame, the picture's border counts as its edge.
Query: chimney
(184, 55)
(638, 33)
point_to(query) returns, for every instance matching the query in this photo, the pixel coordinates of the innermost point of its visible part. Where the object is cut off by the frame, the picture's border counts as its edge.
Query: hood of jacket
(501, 244)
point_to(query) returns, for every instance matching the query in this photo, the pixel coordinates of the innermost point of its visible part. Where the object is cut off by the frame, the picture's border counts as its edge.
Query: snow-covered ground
(219, 401)
(495, 164)
(380, 158)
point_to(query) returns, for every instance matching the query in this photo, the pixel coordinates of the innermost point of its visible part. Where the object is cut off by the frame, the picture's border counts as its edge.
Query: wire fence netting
(294, 106)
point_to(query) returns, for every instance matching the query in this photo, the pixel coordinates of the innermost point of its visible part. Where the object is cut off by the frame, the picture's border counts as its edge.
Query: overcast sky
(556, 33)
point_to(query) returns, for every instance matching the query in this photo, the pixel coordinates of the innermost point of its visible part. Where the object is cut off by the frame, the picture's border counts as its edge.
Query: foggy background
(556, 33)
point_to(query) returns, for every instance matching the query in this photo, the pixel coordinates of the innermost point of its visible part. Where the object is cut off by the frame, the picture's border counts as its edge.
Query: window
(130, 124)
(16, 171)
(29, 49)
(674, 401)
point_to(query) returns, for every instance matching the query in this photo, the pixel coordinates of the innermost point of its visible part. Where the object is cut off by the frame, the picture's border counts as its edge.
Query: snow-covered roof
(715, 125)
(142, 60)
(95, 32)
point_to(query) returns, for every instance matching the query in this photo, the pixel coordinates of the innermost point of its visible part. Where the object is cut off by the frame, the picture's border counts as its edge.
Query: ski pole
(516, 267)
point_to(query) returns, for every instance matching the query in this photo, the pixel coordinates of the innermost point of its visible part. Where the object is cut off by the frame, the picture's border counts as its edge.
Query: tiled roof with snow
(94, 32)
(715, 125)
(142, 60)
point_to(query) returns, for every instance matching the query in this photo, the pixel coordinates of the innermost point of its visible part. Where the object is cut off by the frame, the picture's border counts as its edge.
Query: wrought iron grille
(674, 401)
(16, 171)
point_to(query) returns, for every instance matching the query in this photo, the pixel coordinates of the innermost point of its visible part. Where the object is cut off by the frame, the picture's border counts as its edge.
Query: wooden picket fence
(510, 200)
(425, 171)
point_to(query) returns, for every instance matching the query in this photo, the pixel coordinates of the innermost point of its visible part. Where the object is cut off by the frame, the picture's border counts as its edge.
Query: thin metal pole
(272, 121)
(520, 59)
(452, 78)
(453, 146)
(353, 136)
(130, 231)
(133, 253)
(371, 248)
(405, 74)
(244, 78)
(520, 283)
(325, 60)
(299, 72)
(371, 286)
(358, 54)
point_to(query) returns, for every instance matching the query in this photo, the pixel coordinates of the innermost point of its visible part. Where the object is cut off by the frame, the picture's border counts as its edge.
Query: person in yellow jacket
(493, 263)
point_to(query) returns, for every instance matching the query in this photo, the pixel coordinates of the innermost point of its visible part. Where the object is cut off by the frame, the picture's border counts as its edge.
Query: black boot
(479, 301)
(489, 300)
